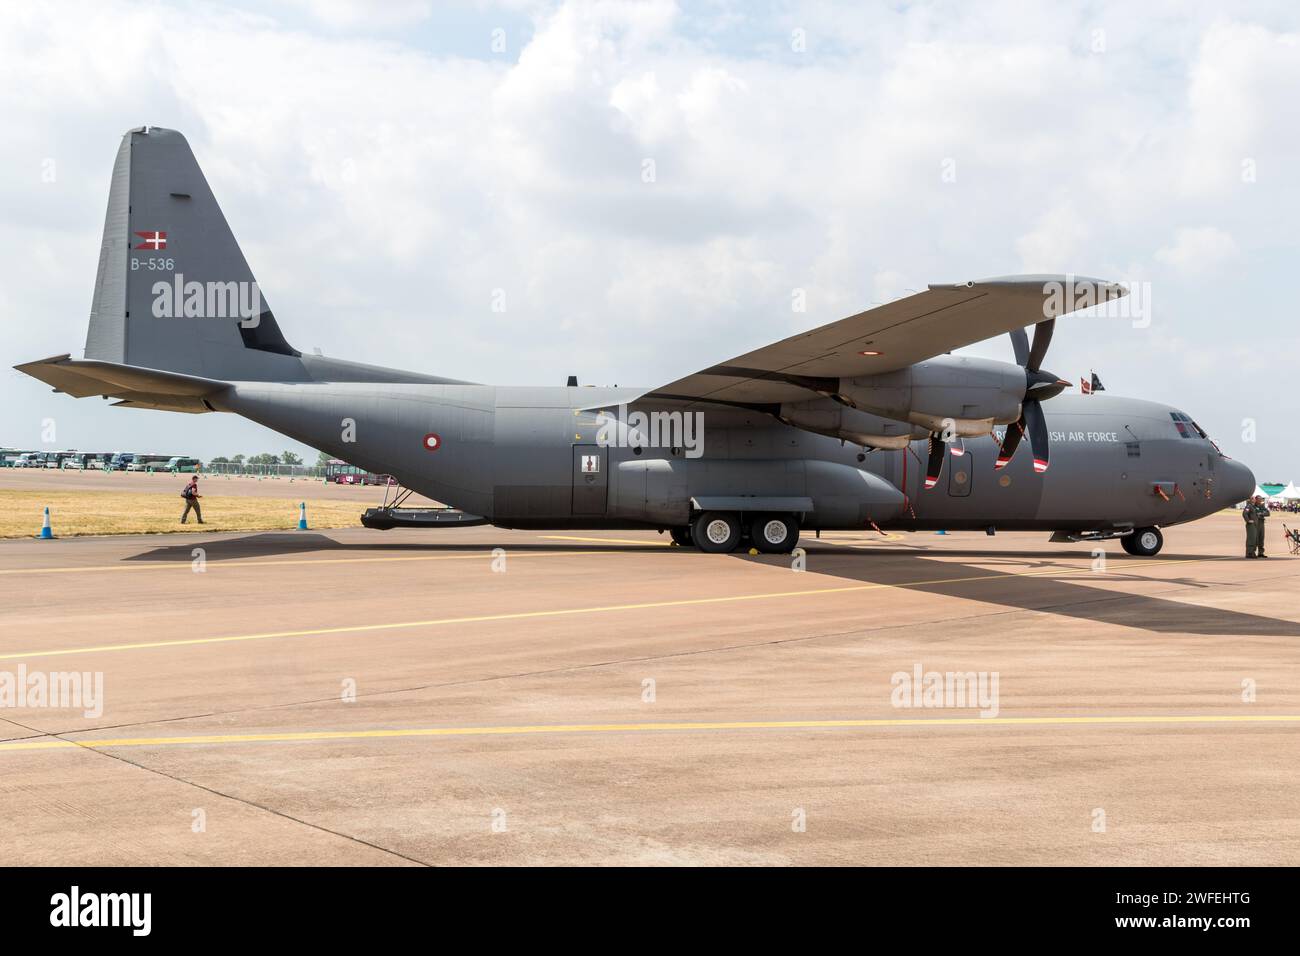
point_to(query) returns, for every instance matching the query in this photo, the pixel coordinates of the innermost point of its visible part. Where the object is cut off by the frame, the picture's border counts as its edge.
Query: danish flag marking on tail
(154, 240)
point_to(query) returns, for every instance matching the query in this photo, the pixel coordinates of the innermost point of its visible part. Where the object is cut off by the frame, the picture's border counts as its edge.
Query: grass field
(133, 512)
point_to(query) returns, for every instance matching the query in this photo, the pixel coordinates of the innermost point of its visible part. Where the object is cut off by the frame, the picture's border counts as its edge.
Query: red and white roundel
(432, 442)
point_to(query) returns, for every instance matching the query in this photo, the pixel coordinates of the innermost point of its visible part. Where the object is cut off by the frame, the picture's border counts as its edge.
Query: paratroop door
(590, 482)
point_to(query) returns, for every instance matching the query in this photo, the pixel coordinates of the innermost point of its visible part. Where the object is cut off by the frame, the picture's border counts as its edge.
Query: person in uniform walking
(191, 496)
(1254, 514)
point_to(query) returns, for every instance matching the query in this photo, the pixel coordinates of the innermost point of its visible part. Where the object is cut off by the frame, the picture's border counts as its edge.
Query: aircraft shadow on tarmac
(1068, 594)
(275, 544)
(934, 572)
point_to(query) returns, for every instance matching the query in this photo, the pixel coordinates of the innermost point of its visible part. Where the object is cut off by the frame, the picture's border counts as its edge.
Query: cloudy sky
(645, 185)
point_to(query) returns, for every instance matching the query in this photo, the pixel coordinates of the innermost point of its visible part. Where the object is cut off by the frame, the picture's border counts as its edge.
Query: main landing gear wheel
(1144, 542)
(681, 536)
(716, 532)
(774, 534)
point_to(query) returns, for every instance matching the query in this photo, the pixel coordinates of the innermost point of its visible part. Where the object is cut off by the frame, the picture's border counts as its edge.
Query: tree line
(266, 458)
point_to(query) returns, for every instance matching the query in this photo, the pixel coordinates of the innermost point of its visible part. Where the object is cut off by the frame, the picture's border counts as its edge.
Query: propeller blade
(1036, 425)
(1020, 343)
(934, 467)
(1042, 339)
(1010, 442)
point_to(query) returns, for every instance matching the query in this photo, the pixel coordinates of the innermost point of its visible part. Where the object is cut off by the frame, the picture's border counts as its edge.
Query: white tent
(1290, 492)
(1271, 499)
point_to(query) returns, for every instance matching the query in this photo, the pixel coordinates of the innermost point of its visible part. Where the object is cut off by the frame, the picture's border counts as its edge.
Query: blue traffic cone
(302, 516)
(46, 532)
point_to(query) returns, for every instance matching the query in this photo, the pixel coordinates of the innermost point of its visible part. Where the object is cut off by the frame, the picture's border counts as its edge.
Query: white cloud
(349, 14)
(1243, 73)
(1199, 250)
(1057, 239)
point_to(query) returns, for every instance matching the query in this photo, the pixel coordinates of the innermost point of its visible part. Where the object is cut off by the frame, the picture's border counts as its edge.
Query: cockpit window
(1186, 427)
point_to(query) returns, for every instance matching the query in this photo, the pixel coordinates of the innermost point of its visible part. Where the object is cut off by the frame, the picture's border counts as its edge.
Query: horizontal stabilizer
(136, 387)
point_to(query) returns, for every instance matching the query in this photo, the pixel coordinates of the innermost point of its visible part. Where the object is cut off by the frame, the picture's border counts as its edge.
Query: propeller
(1039, 386)
(934, 466)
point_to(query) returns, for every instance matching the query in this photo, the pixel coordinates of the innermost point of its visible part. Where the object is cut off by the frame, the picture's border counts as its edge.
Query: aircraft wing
(901, 333)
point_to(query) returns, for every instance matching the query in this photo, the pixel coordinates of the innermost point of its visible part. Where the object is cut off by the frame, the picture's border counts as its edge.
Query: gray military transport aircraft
(848, 426)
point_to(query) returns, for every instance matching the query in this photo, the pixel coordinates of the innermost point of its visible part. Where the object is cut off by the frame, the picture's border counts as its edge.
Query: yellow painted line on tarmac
(684, 726)
(558, 612)
(186, 563)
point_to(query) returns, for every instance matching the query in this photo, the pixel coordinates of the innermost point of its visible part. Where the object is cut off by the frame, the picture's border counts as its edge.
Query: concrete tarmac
(406, 698)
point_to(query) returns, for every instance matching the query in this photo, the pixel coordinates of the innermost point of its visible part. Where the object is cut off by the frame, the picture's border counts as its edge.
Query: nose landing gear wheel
(1143, 542)
(716, 532)
(774, 534)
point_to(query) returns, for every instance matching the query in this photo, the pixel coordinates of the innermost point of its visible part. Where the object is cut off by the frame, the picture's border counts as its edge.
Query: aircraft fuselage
(536, 457)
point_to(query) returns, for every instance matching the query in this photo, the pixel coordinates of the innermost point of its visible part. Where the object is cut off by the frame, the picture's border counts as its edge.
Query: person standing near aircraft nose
(1261, 513)
(1253, 513)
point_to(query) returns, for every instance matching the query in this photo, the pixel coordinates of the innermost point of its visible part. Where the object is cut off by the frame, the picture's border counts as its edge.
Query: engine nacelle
(968, 395)
(828, 417)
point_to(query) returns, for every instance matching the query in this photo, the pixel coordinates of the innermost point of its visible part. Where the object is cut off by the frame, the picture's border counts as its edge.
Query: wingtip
(24, 366)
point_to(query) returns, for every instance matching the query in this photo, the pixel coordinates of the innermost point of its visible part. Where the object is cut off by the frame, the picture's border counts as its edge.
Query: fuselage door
(590, 483)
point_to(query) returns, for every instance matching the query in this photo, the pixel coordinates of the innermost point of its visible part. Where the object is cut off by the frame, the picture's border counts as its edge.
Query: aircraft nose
(1238, 483)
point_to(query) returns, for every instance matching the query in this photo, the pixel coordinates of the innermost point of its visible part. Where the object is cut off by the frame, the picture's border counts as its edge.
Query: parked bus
(55, 459)
(85, 460)
(341, 473)
(148, 462)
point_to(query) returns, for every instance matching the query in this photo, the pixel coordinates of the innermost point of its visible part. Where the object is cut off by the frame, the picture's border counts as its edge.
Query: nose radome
(1238, 483)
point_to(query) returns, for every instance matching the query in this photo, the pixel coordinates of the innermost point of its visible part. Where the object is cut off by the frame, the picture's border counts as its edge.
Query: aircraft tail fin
(174, 294)
(173, 291)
